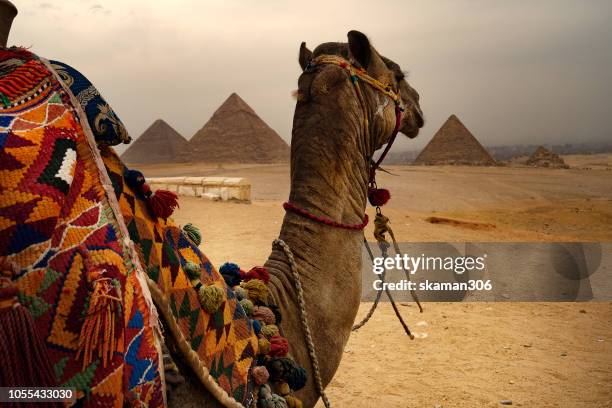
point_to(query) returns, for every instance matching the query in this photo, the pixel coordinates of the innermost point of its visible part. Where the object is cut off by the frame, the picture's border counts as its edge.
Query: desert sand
(465, 354)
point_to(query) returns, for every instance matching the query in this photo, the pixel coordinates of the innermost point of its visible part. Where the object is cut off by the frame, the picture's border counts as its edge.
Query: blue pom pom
(256, 327)
(229, 268)
(231, 273)
(134, 179)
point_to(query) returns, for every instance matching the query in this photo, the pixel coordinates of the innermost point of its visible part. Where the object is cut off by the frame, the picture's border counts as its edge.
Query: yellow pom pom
(256, 289)
(292, 402)
(247, 305)
(269, 330)
(264, 346)
(210, 298)
(283, 389)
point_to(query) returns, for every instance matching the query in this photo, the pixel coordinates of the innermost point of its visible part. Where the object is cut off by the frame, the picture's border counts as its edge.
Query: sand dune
(467, 354)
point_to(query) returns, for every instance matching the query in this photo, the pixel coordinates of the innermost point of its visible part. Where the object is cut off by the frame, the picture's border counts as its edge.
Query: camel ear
(360, 48)
(305, 56)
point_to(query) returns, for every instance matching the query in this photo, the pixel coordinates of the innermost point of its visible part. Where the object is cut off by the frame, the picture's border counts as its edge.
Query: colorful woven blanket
(89, 256)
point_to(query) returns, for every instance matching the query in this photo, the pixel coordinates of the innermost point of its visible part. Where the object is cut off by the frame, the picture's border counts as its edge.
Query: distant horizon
(514, 72)
(393, 150)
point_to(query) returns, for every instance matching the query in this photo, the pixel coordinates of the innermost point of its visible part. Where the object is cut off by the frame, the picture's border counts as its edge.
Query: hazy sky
(513, 71)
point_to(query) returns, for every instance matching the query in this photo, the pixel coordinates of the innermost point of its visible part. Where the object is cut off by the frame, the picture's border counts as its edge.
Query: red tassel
(163, 203)
(279, 346)
(257, 272)
(24, 361)
(378, 196)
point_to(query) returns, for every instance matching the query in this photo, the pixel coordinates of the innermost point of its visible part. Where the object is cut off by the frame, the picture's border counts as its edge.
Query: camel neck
(329, 164)
(329, 173)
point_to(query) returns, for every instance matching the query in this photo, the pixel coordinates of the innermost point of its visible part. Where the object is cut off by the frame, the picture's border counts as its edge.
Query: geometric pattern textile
(59, 228)
(222, 343)
(66, 214)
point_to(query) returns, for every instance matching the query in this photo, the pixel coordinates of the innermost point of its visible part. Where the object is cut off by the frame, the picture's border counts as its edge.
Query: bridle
(356, 74)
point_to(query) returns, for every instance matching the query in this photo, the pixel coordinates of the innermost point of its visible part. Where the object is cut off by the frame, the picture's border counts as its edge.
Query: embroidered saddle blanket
(70, 225)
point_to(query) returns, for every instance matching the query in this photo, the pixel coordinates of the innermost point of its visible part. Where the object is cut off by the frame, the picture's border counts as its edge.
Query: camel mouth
(411, 134)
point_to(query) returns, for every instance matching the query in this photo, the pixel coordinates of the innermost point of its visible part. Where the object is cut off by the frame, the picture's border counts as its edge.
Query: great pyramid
(160, 143)
(542, 157)
(453, 143)
(235, 134)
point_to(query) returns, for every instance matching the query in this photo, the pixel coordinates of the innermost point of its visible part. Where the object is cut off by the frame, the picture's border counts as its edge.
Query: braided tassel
(97, 338)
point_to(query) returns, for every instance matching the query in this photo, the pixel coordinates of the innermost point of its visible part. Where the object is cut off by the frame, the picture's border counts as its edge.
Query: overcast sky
(513, 71)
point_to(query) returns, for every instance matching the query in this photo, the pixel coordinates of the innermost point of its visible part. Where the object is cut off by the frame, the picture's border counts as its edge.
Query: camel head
(360, 52)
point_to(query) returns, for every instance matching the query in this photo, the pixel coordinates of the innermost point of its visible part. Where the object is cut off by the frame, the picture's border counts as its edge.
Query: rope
(304, 319)
(324, 220)
(381, 226)
(341, 62)
(378, 293)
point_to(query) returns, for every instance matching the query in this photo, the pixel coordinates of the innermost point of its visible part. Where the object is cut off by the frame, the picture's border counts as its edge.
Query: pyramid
(542, 157)
(235, 134)
(453, 143)
(160, 143)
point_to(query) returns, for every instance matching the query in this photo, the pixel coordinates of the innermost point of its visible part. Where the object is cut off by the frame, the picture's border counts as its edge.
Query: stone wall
(212, 188)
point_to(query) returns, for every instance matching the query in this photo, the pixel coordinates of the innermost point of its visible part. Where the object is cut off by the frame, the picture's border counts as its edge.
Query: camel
(331, 154)
(329, 175)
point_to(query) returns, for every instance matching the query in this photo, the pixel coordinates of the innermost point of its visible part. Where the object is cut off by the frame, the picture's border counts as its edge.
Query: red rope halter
(324, 220)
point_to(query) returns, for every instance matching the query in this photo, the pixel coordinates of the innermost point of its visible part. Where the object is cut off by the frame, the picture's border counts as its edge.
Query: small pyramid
(235, 134)
(160, 143)
(542, 157)
(453, 143)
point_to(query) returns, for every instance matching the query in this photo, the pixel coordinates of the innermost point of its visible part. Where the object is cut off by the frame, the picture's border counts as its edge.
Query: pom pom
(378, 196)
(192, 270)
(210, 298)
(264, 315)
(264, 391)
(193, 233)
(274, 401)
(286, 369)
(279, 346)
(293, 402)
(257, 291)
(231, 273)
(134, 179)
(283, 389)
(163, 203)
(258, 272)
(240, 293)
(256, 327)
(260, 375)
(269, 330)
(264, 346)
(247, 305)
(297, 378)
